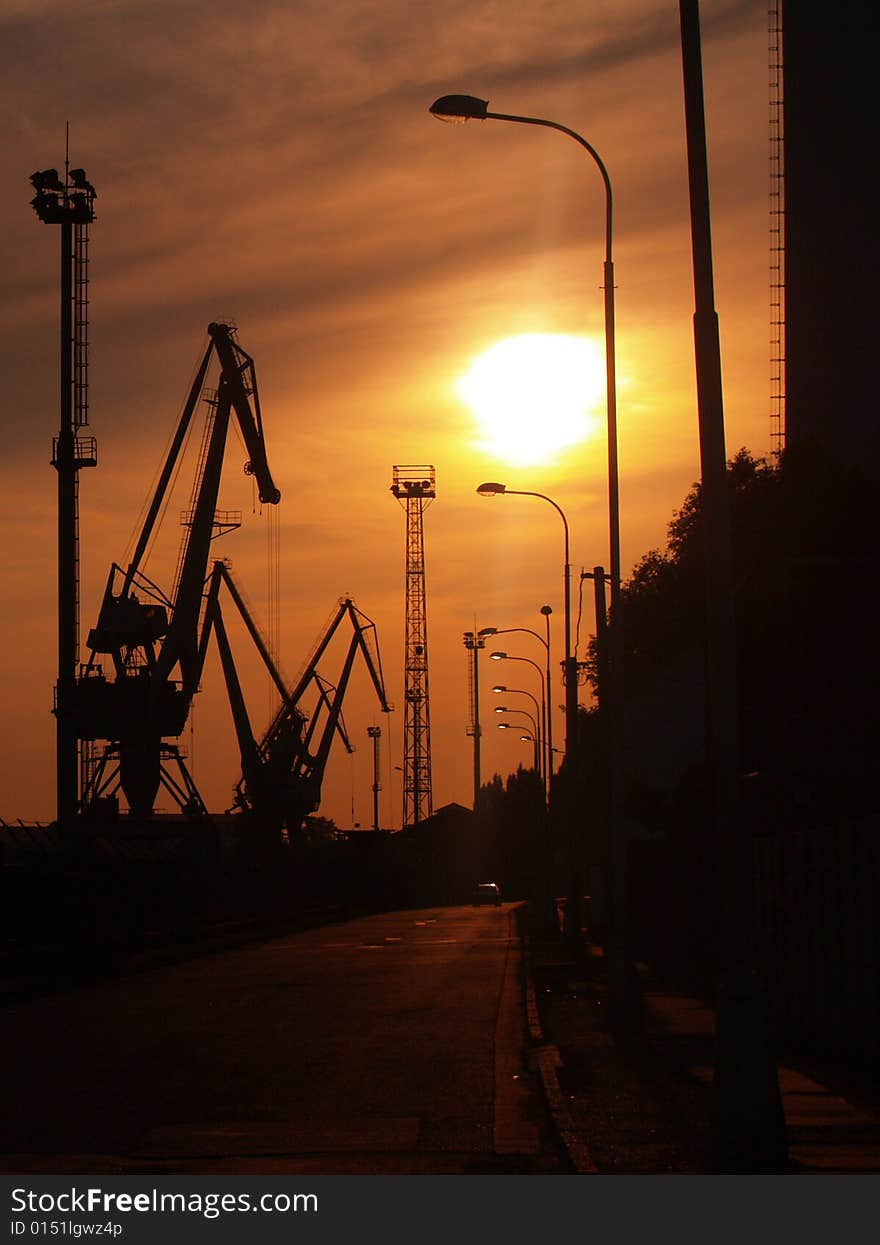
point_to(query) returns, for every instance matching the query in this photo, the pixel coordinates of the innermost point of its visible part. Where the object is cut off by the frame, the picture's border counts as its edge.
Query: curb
(545, 1058)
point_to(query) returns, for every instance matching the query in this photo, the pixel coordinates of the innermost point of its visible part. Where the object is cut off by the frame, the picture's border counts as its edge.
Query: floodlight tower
(414, 488)
(70, 204)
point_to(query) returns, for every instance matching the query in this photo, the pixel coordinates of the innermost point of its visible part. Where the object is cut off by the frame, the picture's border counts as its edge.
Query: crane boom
(239, 375)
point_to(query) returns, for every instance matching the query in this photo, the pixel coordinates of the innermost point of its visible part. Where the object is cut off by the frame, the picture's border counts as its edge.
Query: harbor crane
(282, 772)
(148, 635)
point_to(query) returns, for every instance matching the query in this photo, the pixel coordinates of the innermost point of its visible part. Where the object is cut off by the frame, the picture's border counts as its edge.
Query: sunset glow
(535, 395)
(410, 292)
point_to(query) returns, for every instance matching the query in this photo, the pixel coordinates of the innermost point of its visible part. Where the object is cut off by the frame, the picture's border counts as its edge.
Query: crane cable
(169, 491)
(273, 589)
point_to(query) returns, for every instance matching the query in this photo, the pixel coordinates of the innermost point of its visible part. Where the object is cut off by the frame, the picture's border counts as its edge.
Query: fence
(819, 934)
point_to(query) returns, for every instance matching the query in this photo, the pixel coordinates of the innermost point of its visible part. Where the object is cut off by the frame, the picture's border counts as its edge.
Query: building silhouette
(830, 232)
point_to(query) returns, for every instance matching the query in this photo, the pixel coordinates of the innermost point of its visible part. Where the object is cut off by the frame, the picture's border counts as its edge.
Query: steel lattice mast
(414, 488)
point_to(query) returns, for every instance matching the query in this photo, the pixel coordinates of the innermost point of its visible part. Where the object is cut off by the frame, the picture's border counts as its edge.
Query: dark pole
(748, 1122)
(476, 651)
(68, 641)
(68, 204)
(375, 733)
(610, 368)
(598, 577)
(548, 724)
(473, 642)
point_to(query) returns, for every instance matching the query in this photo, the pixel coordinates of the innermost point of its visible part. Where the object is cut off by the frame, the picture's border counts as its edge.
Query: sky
(276, 165)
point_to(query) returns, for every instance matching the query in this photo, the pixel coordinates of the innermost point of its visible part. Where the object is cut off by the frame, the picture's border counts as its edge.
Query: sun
(535, 395)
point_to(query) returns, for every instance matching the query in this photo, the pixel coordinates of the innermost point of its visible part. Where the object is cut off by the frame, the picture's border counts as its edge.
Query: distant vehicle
(487, 892)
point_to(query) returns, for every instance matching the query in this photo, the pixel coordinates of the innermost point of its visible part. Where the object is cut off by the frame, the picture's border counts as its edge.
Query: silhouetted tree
(805, 567)
(804, 564)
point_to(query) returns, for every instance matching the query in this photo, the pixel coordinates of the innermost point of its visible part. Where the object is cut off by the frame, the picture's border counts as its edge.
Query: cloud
(277, 164)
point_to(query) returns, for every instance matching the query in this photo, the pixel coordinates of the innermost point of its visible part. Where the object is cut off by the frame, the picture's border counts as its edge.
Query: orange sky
(276, 164)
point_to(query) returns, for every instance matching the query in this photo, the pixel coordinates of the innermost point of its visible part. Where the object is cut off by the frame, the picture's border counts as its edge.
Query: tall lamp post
(462, 108)
(624, 1004)
(494, 489)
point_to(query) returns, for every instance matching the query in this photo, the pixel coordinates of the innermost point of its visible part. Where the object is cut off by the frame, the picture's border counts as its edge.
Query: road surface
(391, 1044)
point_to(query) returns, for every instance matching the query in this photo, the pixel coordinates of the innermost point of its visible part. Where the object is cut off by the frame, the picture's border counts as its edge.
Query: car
(487, 892)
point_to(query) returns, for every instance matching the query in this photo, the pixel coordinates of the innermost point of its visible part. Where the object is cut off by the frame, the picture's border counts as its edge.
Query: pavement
(616, 1103)
(641, 1103)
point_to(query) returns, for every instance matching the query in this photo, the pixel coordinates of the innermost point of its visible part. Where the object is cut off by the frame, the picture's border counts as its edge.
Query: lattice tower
(777, 231)
(414, 488)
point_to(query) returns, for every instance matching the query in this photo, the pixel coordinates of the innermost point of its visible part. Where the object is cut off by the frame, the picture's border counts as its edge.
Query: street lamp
(547, 709)
(499, 656)
(462, 108)
(493, 489)
(525, 713)
(539, 714)
(532, 739)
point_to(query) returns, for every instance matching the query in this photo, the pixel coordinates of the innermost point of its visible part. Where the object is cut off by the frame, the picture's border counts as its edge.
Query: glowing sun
(534, 395)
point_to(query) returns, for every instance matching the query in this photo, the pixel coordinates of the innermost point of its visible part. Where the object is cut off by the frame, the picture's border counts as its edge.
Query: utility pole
(414, 487)
(473, 643)
(70, 204)
(748, 1122)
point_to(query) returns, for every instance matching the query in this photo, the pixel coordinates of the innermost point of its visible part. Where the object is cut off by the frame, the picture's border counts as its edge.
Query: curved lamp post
(499, 656)
(494, 489)
(459, 109)
(462, 108)
(546, 707)
(525, 713)
(509, 726)
(540, 714)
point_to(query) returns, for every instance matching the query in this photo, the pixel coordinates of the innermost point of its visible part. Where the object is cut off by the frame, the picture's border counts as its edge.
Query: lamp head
(47, 179)
(546, 610)
(499, 689)
(497, 656)
(491, 489)
(459, 108)
(488, 631)
(501, 709)
(504, 726)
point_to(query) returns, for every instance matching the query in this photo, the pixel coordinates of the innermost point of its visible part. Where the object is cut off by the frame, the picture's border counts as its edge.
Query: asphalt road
(385, 1045)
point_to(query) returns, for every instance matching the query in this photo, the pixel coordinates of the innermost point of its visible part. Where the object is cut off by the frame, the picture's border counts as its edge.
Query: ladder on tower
(777, 230)
(414, 486)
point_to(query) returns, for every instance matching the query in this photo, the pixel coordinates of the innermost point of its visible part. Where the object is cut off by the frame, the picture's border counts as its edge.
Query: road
(390, 1044)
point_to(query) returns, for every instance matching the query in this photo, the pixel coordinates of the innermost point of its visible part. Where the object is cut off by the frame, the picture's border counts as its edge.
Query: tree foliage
(804, 563)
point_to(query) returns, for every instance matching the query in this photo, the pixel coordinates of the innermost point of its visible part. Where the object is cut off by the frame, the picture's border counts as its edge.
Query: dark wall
(831, 249)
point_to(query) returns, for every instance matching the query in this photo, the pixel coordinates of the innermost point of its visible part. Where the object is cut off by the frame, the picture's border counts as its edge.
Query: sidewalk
(641, 1104)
